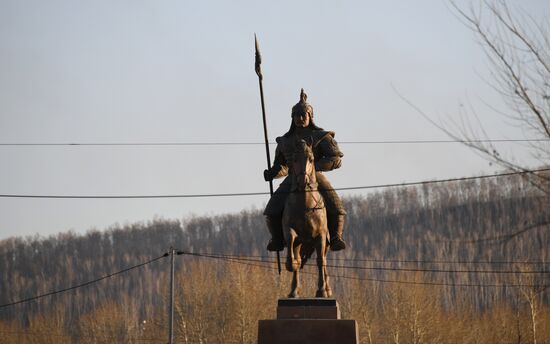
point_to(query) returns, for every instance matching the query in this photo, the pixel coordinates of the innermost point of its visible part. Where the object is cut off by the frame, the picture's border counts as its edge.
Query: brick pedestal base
(308, 321)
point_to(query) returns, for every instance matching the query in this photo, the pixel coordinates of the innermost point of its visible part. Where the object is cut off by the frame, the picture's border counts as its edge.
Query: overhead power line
(377, 268)
(403, 261)
(252, 143)
(443, 261)
(444, 284)
(237, 194)
(43, 334)
(485, 271)
(254, 261)
(83, 284)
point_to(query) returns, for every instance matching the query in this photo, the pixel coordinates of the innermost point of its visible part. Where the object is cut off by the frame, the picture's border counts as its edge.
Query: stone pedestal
(308, 321)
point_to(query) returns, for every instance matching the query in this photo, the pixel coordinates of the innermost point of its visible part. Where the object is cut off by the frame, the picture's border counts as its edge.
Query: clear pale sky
(183, 71)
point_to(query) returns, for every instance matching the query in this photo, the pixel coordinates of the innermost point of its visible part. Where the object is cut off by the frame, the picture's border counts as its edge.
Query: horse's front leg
(290, 257)
(293, 259)
(295, 286)
(322, 286)
(296, 265)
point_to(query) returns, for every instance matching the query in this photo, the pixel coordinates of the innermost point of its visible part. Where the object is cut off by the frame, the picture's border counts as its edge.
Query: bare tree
(517, 46)
(532, 294)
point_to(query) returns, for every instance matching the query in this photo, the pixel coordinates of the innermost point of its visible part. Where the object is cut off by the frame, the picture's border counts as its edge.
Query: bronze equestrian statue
(327, 157)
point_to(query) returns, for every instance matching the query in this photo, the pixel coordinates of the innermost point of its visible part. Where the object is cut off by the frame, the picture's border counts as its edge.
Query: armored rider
(327, 158)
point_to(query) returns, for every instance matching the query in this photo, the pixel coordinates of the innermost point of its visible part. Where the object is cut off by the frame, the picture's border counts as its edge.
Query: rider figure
(327, 158)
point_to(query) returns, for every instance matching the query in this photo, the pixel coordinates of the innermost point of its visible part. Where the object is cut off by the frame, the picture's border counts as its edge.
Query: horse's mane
(304, 147)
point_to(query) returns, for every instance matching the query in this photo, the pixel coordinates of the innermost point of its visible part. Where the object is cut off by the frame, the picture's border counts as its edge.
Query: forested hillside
(451, 262)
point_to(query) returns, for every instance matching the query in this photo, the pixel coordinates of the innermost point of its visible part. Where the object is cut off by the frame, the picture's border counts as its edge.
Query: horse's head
(303, 164)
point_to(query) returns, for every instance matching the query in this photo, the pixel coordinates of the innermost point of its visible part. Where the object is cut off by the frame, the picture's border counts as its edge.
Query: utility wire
(379, 280)
(82, 284)
(49, 334)
(251, 261)
(485, 271)
(448, 180)
(401, 261)
(442, 270)
(423, 261)
(394, 281)
(250, 143)
(443, 261)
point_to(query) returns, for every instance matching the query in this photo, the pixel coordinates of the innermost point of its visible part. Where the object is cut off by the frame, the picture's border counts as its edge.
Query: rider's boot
(336, 230)
(274, 224)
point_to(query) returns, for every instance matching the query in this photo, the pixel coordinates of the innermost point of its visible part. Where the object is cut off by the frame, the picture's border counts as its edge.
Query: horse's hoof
(321, 293)
(292, 295)
(329, 292)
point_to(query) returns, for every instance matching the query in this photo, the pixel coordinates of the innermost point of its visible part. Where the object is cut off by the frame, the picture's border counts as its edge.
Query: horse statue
(305, 221)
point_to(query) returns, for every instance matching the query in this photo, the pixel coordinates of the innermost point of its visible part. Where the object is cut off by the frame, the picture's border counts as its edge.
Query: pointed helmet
(303, 106)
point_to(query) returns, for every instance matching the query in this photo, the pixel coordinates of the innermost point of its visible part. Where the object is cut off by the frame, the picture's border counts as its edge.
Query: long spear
(258, 68)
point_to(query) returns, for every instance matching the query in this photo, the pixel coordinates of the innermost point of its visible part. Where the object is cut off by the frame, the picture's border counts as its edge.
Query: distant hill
(489, 224)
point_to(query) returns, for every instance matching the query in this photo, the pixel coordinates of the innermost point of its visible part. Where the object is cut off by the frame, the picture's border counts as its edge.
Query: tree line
(410, 274)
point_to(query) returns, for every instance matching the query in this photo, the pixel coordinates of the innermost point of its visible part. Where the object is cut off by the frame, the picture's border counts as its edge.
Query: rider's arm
(279, 168)
(330, 156)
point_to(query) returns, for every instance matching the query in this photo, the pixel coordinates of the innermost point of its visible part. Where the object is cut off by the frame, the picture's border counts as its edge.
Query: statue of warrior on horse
(327, 157)
(305, 212)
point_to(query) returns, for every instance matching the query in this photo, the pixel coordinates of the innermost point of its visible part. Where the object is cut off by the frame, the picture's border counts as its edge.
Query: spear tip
(256, 44)
(258, 59)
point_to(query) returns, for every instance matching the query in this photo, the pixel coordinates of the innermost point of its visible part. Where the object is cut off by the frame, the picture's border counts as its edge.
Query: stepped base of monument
(304, 331)
(308, 321)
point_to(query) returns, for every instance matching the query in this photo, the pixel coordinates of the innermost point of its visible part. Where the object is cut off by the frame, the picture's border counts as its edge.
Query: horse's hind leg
(327, 285)
(321, 249)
